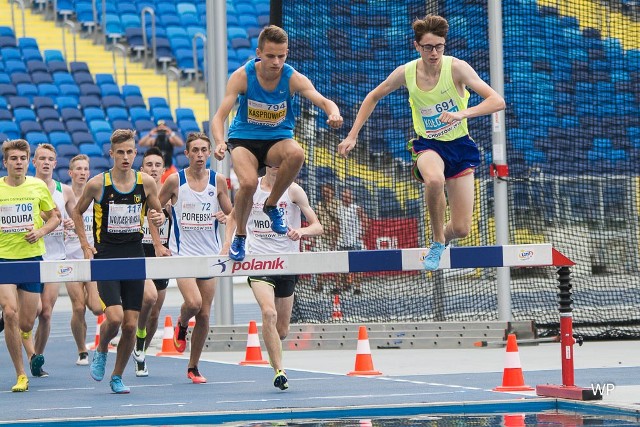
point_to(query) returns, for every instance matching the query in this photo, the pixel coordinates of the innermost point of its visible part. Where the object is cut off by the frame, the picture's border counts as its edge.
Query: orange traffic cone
(513, 420)
(99, 321)
(253, 356)
(168, 349)
(512, 379)
(336, 314)
(364, 363)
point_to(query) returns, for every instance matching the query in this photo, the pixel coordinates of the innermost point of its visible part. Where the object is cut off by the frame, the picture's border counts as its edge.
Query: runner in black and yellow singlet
(119, 197)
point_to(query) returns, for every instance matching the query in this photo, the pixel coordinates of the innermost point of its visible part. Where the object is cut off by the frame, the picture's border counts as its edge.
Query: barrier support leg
(568, 390)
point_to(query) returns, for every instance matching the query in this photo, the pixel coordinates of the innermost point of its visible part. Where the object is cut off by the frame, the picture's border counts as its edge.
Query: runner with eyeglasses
(444, 155)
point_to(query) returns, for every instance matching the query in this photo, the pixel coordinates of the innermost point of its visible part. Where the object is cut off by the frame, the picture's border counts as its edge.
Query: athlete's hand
(294, 235)
(345, 147)
(32, 235)
(68, 224)
(335, 121)
(88, 252)
(225, 249)
(221, 217)
(220, 150)
(156, 217)
(449, 117)
(161, 251)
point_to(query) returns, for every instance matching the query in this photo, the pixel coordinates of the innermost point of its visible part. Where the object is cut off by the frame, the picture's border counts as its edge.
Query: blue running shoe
(236, 251)
(280, 380)
(117, 385)
(432, 260)
(277, 219)
(98, 364)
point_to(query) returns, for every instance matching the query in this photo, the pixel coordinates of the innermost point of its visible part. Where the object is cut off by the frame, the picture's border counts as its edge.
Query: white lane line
(368, 396)
(66, 389)
(249, 400)
(132, 405)
(60, 408)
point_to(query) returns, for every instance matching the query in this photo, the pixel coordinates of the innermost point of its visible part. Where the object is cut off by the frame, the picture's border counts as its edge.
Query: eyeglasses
(429, 47)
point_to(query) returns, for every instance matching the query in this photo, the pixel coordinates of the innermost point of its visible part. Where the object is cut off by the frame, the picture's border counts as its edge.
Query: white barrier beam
(533, 255)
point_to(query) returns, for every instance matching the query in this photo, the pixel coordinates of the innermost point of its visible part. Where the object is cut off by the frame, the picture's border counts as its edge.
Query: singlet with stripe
(427, 106)
(118, 217)
(165, 229)
(20, 209)
(263, 114)
(54, 241)
(260, 238)
(71, 242)
(195, 230)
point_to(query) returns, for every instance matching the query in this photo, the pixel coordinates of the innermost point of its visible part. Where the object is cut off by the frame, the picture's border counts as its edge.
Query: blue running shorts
(458, 155)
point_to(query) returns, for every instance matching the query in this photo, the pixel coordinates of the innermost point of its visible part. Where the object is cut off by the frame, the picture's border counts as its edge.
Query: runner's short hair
(16, 144)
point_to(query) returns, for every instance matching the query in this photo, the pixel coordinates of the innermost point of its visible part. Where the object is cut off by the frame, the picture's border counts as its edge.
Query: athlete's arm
(300, 83)
(169, 190)
(465, 75)
(229, 229)
(393, 82)
(69, 205)
(154, 212)
(223, 194)
(90, 193)
(299, 197)
(52, 220)
(236, 85)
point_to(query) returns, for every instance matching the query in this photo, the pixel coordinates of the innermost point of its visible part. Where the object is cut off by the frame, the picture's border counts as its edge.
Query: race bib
(261, 113)
(16, 218)
(164, 232)
(430, 117)
(197, 216)
(124, 218)
(70, 233)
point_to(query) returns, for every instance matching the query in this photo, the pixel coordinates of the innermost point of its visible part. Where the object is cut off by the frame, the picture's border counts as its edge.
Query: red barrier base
(565, 392)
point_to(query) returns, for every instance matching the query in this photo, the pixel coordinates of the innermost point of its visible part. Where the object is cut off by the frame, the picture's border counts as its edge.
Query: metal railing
(123, 50)
(173, 71)
(13, 19)
(194, 47)
(103, 22)
(74, 32)
(143, 22)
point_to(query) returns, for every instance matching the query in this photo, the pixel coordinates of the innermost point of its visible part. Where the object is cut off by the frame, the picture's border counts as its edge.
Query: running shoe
(180, 337)
(280, 380)
(35, 364)
(141, 369)
(117, 386)
(98, 365)
(138, 355)
(22, 384)
(236, 251)
(432, 260)
(277, 219)
(83, 359)
(194, 375)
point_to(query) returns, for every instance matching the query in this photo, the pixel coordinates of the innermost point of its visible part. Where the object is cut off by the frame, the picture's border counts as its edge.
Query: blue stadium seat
(82, 77)
(10, 53)
(27, 126)
(139, 113)
(74, 126)
(40, 77)
(7, 90)
(4, 78)
(100, 126)
(47, 113)
(109, 90)
(184, 114)
(189, 20)
(157, 102)
(102, 78)
(102, 139)
(69, 114)
(131, 90)
(56, 66)
(91, 150)
(22, 114)
(33, 66)
(53, 55)
(10, 129)
(14, 66)
(78, 138)
(31, 55)
(100, 162)
(78, 66)
(90, 89)
(122, 124)
(110, 101)
(19, 77)
(134, 101)
(5, 114)
(93, 113)
(48, 89)
(67, 150)
(19, 102)
(89, 101)
(71, 90)
(35, 138)
(7, 41)
(161, 113)
(130, 21)
(117, 113)
(53, 126)
(142, 125)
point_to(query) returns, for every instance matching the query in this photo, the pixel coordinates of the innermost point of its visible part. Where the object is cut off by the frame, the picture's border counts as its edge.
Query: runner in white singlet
(200, 201)
(81, 294)
(274, 294)
(44, 160)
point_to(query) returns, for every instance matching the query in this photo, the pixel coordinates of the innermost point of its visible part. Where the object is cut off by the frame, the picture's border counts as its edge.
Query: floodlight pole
(216, 73)
(499, 168)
